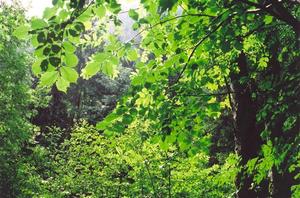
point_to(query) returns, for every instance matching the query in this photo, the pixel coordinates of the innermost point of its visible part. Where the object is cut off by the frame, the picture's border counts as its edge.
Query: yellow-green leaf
(69, 74)
(90, 70)
(69, 47)
(62, 84)
(48, 78)
(36, 67)
(100, 11)
(38, 23)
(21, 32)
(132, 55)
(71, 60)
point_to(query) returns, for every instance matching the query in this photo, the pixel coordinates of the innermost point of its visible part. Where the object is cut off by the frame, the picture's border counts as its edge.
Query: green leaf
(71, 60)
(114, 7)
(44, 65)
(166, 4)
(21, 32)
(100, 11)
(268, 19)
(62, 84)
(137, 80)
(36, 67)
(55, 61)
(69, 74)
(164, 145)
(143, 21)
(251, 165)
(90, 70)
(132, 55)
(263, 62)
(102, 125)
(69, 47)
(135, 26)
(38, 24)
(85, 16)
(63, 15)
(170, 139)
(108, 69)
(127, 119)
(48, 78)
(133, 14)
(100, 57)
(74, 33)
(41, 38)
(55, 48)
(49, 12)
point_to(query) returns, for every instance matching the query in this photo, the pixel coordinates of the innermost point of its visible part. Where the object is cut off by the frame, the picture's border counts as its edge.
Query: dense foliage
(211, 108)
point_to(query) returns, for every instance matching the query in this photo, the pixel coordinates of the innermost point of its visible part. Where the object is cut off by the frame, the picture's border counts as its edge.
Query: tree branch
(165, 21)
(277, 10)
(197, 45)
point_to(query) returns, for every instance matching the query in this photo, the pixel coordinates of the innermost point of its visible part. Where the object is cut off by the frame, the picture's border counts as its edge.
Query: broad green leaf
(49, 12)
(36, 67)
(90, 70)
(21, 32)
(136, 26)
(137, 80)
(170, 139)
(48, 78)
(114, 7)
(100, 11)
(69, 47)
(85, 16)
(41, 37)
(100, 57)
(102, 125)
(127, 119)
(166, 4)
(44, 65)
(63, 15)
(34, 41)
(268, 19)
(71, 60)
(108, 69)
(62, 84)
(114, 60)
(132, 55)
(263, 62)
(183, 142)
(164, 145)
(55, 48)
(251, 165)
(111, 117)
(133, 14)
(55, 61)
(69, 74)
(38, 24)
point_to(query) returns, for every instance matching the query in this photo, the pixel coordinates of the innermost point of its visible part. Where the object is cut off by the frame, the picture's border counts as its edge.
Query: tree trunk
(247, 136)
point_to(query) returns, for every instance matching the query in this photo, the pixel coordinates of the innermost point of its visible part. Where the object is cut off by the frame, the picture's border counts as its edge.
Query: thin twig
(165, 21)
(196, 46)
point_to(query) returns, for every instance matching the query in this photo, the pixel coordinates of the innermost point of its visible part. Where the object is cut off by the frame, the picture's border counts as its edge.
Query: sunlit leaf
(69, 74)
(48, 78)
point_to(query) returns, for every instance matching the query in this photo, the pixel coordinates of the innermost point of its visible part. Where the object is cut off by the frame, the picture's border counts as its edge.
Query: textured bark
(247, 136)
(282, 181)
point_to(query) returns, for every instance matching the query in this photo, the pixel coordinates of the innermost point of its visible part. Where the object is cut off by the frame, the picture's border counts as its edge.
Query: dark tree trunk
(282, 181)
(247, 136)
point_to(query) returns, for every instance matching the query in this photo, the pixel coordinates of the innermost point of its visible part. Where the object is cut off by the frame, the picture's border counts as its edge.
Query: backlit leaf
(69, 74)
(48, 78)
